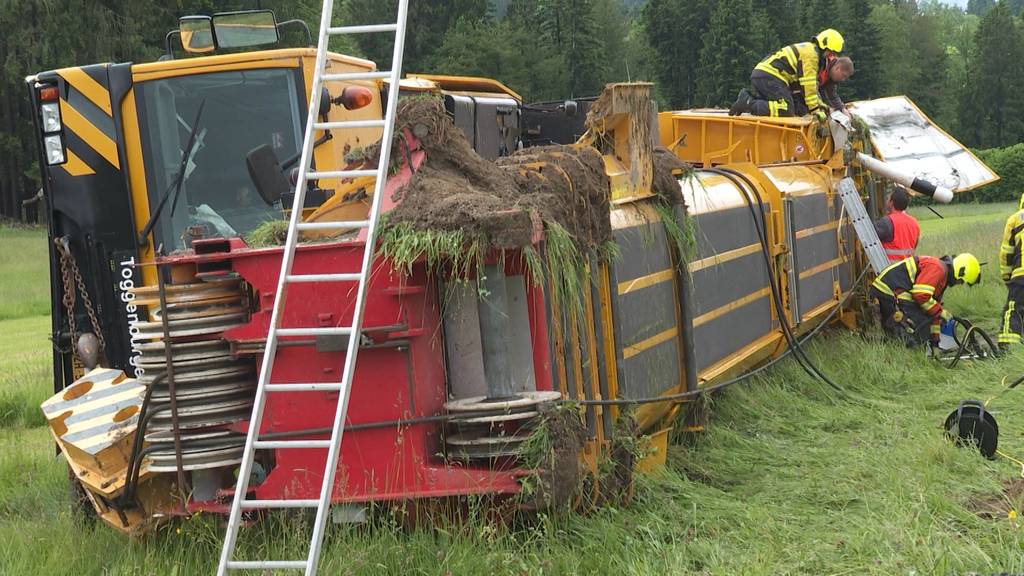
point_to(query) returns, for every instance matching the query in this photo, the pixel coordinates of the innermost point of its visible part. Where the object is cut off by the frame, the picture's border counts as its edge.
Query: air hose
(971, 338)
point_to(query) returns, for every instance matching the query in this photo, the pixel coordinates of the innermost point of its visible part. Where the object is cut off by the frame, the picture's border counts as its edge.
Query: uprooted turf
(788, 479)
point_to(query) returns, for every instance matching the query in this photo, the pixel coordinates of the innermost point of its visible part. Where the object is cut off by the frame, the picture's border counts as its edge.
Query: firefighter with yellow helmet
(909, 294)
(803, 70)
(1011, 269)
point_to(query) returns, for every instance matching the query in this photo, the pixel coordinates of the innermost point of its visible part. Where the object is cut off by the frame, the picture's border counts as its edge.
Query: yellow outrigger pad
(94, 422)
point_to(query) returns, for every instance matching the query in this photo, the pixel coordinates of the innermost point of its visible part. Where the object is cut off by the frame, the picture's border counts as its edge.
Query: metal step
(333, 331)
(350, 76)
(344, 124)
(290, 444)
(364, 29)
(304, 226)
(317, 387)
(267, 504)
(344, 277)
(342, 174)
(267, 565)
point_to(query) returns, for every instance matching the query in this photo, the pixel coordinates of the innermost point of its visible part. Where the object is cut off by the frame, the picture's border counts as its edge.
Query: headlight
(51, 117)
(54, 149)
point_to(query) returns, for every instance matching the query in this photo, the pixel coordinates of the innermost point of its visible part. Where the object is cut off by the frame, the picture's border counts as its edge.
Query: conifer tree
(728, 55)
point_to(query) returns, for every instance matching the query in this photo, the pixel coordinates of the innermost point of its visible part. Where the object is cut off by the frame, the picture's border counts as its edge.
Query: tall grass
(24, 274)
(787, 479)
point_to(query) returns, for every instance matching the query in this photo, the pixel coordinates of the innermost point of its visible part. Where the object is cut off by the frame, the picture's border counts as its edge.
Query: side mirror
(196, 34)
(245, 28)
(265, 172)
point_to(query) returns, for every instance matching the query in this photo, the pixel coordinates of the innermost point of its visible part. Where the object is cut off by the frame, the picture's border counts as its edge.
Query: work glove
(946, 315)
(819, 114)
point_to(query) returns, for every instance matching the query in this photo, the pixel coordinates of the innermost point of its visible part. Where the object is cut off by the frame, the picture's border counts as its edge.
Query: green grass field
(789, 478)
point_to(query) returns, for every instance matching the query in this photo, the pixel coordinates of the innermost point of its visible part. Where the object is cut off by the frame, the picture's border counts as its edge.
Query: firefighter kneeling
(909, 295)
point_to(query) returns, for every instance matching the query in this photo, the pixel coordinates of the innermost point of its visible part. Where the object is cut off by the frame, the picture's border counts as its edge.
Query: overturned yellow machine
(588, 259)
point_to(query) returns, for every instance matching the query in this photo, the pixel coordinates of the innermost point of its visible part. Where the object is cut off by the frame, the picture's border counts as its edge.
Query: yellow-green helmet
(830, 40)
(966, 269)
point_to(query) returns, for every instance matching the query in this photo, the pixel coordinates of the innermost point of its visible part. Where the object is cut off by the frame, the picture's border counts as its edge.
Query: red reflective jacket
(905, 232)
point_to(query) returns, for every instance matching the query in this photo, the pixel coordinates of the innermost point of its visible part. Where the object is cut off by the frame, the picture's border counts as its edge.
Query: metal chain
(72, 277)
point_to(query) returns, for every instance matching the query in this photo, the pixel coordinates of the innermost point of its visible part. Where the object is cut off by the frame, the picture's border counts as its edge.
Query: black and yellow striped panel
(87, 116)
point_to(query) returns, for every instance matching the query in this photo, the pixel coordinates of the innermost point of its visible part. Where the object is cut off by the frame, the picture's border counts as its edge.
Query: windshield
(241, 110)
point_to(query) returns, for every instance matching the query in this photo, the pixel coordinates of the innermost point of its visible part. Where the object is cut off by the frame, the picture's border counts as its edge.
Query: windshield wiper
(176, 184)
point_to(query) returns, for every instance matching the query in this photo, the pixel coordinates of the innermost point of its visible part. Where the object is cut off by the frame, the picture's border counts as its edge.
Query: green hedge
(1008, 163)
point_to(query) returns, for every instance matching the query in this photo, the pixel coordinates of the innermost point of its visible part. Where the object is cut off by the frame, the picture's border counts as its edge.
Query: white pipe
(940, 194)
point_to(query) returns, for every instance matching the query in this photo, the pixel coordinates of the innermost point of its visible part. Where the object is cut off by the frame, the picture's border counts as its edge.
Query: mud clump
(557, 476)
(502, 202)
(664, 183)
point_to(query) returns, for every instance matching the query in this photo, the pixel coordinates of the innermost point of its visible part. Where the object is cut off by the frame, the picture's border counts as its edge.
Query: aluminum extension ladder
(863, 225)
(333, 446)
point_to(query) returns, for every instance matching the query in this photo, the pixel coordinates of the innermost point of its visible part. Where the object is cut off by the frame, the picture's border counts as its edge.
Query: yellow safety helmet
(830, 40)
(966, 269)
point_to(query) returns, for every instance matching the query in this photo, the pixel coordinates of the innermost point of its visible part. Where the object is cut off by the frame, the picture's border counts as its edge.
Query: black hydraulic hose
(814, 370)
(962, 345)
(682, 396)
(791, 340)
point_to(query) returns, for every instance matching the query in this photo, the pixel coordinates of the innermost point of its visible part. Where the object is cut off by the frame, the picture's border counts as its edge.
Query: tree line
(960, 67)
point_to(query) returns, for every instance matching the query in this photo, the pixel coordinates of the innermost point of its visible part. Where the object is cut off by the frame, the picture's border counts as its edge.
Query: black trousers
(772, 97)
(913, 330)
(1013, 313)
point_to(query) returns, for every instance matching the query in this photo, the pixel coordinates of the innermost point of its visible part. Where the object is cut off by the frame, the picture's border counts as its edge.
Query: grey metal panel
(646, 312)
(718, 285)
(815, 290)
(816, 249)
(809, 211)
(463, 111)
(652, 371)
(496, 125)
(523, 377)
(731, 332)
(644, 250)
(724, 230)
(463, 349)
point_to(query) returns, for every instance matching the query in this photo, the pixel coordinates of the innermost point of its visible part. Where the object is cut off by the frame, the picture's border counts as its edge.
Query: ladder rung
(341, 125)
(348, 277)
(333, 331)
(340, 174)
(355, 76)
(257, 504)
(345, 225)
(267, 565)
(318, 387)
(365, 29)
(285, 444)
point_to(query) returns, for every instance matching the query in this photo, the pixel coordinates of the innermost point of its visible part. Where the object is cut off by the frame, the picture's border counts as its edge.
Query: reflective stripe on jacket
(905, 233)
(797, 65)
(920, 278)
(1010, 265)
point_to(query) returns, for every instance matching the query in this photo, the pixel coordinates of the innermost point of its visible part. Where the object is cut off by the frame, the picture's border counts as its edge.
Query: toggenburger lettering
(126, 284)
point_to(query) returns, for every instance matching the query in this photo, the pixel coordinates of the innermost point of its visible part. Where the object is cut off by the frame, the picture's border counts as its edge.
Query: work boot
(742, 103)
